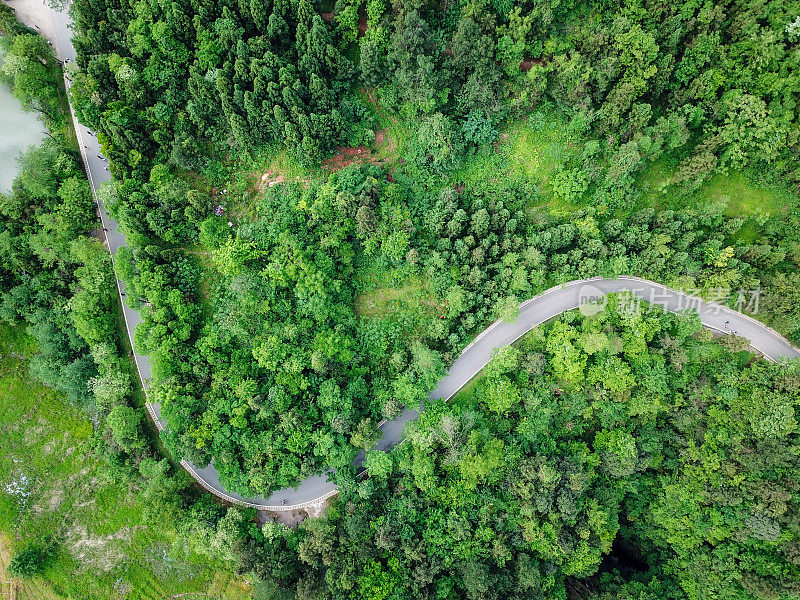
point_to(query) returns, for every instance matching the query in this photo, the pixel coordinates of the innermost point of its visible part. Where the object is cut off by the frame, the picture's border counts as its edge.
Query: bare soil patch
(273, 178)
(527, 63)
(345, 156)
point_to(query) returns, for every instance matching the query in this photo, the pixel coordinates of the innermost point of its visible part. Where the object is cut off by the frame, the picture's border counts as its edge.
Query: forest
(325, 203)
(634, 430)
(59, 326)
(286, 376)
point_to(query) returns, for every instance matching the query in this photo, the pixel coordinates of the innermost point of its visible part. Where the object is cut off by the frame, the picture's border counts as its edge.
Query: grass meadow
(51, 484)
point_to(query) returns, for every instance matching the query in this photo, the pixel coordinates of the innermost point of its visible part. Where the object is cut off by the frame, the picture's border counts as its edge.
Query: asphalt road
(532, 313)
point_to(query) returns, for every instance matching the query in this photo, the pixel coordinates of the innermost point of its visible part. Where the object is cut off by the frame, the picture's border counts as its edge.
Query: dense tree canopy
(181, 83)
(269, 370)
(628, 429)
(56, 278)
(625, 454)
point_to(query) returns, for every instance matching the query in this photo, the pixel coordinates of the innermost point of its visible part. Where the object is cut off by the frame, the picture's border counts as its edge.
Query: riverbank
(19, 130)
(35, 14)
(119, 517)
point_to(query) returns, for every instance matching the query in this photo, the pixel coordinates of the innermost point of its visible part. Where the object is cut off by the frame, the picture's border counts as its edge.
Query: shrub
(32, 560)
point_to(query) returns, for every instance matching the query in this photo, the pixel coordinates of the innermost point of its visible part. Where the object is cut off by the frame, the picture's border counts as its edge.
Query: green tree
(31, 560)
(125, 423)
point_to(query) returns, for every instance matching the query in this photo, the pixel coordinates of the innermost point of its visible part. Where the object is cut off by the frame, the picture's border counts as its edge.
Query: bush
(478, 129)
(31, 561)
(124, 422)
(437, 145)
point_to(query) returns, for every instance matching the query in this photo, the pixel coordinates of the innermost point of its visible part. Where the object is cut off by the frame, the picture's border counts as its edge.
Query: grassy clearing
(540, 144)
(398, 299)
(52, 484)
(527, 154)
(253, 175)
(209, 276)
(734, 194)
(538, 148)
(385, 300)
(396, 132)
(384, 293)
(743, 197)
(279, 161)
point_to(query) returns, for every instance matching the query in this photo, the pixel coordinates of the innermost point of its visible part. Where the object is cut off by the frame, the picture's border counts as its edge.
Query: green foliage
(66, 482)
(508, 309)
(378, 464)
(32, 72)
(478, 129)
(481, 504)
(288, 393)
(31, 560)
(124, 422)
(255, 74)
(437, 144)
(44, 257)
(277, 360)
(93, 525)
(292, 367)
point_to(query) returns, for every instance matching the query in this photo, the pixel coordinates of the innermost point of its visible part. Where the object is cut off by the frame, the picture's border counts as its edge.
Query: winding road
(533, 312)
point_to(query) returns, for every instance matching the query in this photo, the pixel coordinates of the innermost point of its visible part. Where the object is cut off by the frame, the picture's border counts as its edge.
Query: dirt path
(8, 587)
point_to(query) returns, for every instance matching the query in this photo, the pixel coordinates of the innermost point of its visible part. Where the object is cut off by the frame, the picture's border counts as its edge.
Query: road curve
(533, 312)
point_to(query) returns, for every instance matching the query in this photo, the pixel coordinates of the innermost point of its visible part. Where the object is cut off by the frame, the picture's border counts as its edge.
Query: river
(18, 131)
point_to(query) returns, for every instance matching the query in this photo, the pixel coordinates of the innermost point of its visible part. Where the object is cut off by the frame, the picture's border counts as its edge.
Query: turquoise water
(18, 131)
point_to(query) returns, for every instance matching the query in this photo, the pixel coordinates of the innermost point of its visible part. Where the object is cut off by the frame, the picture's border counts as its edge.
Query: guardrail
(204, 484)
